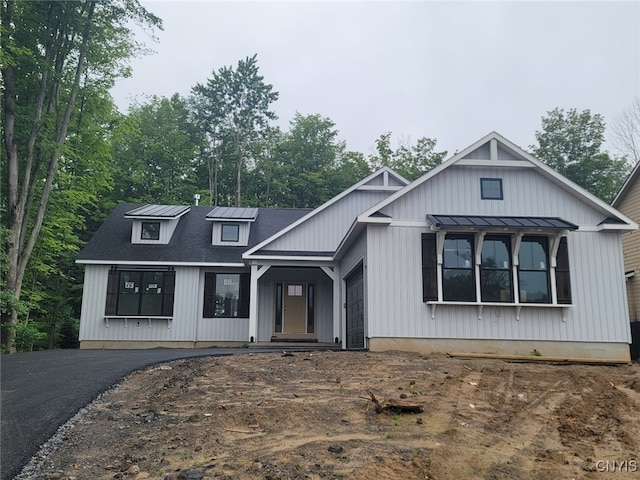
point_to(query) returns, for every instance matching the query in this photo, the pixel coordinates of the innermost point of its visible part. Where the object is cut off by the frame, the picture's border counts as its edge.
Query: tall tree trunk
(240, 153)
(20, 247)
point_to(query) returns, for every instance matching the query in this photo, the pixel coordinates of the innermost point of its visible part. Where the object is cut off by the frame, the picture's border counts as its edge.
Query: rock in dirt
(335, 448)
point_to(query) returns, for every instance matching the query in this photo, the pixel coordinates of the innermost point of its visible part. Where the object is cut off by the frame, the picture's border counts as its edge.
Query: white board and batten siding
(356, 253)
(215, 329)
(395, 307)
(325, 231)
(187, 325)
(394, 304)
(167, 227)
(456, 191)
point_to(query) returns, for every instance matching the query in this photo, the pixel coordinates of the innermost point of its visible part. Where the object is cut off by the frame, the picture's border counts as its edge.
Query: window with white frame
(150, 231)
(230, 232)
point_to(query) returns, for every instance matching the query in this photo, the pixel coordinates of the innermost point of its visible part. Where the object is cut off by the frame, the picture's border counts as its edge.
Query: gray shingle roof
(190, 243)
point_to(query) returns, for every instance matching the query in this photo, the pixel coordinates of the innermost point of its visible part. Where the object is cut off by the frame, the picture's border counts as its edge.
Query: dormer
(155, 224)
(231, 225)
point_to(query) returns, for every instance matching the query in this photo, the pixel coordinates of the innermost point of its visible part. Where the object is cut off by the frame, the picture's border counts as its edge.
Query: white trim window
(230, 232)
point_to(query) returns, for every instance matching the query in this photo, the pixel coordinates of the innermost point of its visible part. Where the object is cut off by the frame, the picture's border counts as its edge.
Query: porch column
(257, 271)
(333, 274)
(253, 304)
(337, 310)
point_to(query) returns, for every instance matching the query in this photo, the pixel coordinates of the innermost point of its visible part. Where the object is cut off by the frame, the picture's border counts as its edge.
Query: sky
(453, 71)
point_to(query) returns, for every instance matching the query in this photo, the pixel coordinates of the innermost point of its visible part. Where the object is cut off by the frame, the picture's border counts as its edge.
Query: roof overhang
(499, 223)
(158, 212)
(298, 256)
(158, 264)
(232, 214)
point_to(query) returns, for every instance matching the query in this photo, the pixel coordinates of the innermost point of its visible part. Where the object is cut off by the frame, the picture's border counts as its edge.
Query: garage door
(355, 309)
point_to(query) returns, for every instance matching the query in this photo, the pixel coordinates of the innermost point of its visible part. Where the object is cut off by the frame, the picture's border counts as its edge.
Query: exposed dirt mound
(310, 416)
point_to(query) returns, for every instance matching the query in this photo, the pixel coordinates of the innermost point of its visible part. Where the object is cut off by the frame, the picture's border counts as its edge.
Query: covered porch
(295, 303)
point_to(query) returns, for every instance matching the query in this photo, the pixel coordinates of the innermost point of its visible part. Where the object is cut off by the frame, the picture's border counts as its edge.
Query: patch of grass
(536, 353)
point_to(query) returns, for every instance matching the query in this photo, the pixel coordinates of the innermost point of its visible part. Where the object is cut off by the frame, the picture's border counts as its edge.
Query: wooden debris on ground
(395, 405)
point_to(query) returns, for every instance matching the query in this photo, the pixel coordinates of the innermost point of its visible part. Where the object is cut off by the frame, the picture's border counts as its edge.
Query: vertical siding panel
(185, 304)
(93, 302)
(266, 307)
(396, 309)
(457, 191)
(325, 231)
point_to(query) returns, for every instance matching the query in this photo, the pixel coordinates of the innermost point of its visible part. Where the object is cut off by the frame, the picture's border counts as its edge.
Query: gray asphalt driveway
(40, 391)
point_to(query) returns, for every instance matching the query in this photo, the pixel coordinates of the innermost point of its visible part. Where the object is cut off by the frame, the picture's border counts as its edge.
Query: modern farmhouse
(492, 252)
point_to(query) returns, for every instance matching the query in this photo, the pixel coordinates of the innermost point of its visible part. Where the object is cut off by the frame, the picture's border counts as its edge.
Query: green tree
(234, 109)
(307, 153)
(263, 181)
(154, 152)
(303, 167)
(571, 143)
(54, 53)
(410, 161)
(350, 168)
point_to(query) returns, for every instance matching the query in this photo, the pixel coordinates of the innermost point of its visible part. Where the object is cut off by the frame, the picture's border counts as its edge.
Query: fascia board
(231, 220)
(613, 227)
(354, 230)
(279, 258)
(154, 263)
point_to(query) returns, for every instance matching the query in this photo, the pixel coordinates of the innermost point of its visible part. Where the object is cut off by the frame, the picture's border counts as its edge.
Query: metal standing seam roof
(516, 223)
(168, 211)
(233, 213)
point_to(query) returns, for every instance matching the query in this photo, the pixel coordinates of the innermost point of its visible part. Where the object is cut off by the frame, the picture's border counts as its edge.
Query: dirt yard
(310, 416)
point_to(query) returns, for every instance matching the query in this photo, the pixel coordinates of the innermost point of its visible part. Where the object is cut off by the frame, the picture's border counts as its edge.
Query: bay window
(479, 267)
